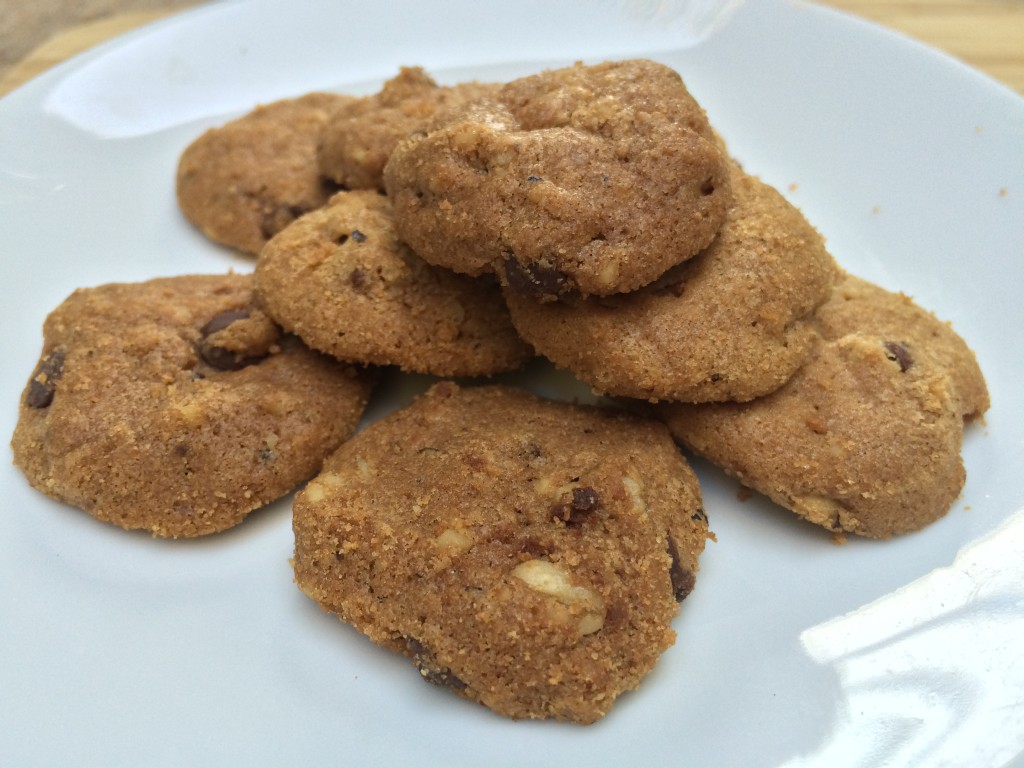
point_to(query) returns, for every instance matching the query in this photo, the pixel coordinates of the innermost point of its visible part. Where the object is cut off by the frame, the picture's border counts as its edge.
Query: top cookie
(340, 279)
(245, 181)
(361, 134)
(528, 554)
(589, 179)
(733, 323)
(176, 406)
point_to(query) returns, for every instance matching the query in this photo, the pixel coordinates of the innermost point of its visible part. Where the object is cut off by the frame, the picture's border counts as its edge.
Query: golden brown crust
(175, 406)
(527, 554)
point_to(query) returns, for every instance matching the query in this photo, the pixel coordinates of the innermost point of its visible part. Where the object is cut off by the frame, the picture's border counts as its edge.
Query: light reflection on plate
(116, 649)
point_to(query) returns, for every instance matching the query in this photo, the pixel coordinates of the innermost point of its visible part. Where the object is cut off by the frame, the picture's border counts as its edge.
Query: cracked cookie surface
(526, 554)
(176, 406)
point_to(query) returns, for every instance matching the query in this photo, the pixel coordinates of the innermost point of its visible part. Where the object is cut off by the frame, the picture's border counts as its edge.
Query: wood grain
(986, 34)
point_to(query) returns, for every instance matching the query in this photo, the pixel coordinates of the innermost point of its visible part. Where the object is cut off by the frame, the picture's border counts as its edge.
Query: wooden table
(987, 34)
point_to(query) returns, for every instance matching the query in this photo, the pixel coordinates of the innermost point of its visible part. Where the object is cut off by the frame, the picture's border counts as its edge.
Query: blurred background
(36, 34)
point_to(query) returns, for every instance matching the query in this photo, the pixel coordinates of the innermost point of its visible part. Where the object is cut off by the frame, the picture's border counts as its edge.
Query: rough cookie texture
(866, 437)
(733, 323)
(176, 406)
(526, 554)
(360, 136)
(858, 305)
(245, 181)
(342, 280)
(590, 179)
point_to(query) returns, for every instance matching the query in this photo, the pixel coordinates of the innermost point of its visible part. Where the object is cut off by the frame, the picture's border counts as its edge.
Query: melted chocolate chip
(223, 320)
(357, 278)
(682, 578)
(534, 280)
(218, 357)
(428, 668)
(585, 499)
(898, 353)
(44, 380)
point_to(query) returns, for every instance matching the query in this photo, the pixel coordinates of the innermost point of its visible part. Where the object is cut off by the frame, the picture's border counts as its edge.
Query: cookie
(733, 323)
(360, 136)
(175, 406)
(526, 554)
(866, 437)
(589, 179)
(245, 181)
(342, 280)
(858, 305)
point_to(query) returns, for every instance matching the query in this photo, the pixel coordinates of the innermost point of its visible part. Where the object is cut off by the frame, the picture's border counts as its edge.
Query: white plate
(117, 649)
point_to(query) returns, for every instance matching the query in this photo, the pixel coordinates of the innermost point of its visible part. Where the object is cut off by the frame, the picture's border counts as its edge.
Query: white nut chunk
(549, 579)
(453, 542)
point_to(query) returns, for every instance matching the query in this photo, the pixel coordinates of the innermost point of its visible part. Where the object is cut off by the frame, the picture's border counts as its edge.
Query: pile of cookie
(527, 554)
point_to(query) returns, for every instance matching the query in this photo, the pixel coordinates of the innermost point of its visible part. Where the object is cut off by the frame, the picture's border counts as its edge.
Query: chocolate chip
(534, 280)
(44, 380)
(534, 178)
(357, 278)
(716, 377)
(898, 353)
(218, 357)
(585, 499)
(699, 515)
(358, 236)
(429, 669)
(682, 578)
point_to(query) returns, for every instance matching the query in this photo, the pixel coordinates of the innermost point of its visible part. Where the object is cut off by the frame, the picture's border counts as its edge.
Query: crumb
(838, 538)
(793, 187)
(1003, 192)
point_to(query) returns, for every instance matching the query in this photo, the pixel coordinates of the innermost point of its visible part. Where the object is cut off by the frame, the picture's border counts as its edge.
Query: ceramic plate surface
(120, 650)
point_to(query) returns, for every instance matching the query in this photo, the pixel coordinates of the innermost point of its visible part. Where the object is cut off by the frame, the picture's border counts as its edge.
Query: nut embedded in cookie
(527, 554)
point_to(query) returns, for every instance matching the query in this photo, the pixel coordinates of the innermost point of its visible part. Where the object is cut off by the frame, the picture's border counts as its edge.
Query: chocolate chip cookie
(243, 182)
(594, 179)
(176, 406)
(866, 437)
(526, 554)
(733, 323)
(361, 134)
(342, 280)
